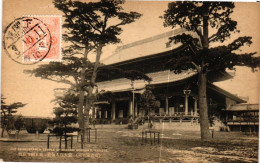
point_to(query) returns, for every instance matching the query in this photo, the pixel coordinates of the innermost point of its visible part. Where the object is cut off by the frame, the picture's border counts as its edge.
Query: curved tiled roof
(145, 47)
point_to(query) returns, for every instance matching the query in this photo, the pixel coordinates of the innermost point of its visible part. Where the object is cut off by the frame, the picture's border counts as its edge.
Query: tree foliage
(148, 101)
(91, 24)
(65, 115)
(211, 22)
(7, 117)
(88, 27)
(193, 16)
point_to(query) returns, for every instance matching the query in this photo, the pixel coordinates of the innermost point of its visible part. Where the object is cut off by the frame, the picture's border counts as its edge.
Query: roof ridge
(146, 40)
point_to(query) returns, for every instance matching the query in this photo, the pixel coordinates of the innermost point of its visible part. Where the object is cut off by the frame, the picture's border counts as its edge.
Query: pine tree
(148, 102)
(88, 27)
(200, 17)
(65, 116)
(7, 112)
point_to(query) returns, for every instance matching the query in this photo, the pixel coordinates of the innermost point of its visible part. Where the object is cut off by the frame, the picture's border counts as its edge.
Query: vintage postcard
(129, 81)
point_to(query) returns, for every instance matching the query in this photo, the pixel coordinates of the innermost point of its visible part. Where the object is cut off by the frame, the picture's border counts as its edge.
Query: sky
(38, 93)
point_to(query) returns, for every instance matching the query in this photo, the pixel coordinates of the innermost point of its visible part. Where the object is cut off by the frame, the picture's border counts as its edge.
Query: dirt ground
(123, 145)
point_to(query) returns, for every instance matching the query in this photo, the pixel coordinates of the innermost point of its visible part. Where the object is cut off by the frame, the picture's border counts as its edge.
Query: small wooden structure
(88, 130)
(154, 136)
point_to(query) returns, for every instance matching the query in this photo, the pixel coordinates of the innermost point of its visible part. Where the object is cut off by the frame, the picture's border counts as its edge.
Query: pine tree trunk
(204, 123)
(81, 98)
(80, 111)
(202, 81)
(90, 97)
(89, 104)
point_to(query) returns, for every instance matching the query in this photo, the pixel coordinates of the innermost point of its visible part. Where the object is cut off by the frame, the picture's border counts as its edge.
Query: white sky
(37, 93)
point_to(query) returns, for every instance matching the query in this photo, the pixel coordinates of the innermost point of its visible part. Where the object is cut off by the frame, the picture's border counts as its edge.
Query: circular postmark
(27, 40)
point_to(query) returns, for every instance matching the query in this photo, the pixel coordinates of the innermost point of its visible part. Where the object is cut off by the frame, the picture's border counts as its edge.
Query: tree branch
(196, 66)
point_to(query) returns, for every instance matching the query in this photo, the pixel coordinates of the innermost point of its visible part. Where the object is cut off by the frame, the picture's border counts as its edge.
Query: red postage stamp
(43, 37)
(31, 39)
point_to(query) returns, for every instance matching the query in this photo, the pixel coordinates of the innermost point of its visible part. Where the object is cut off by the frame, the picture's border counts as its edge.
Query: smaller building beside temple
(242, 117)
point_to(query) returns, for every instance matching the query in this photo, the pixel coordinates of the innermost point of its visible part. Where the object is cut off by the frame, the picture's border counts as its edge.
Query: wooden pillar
(100, 114)
(135, 109)
(130, 109)
(186, 104)
(37, 134)
(94, 113)
(106, 114)
(166, 105)
(113, 115)
(195, 106)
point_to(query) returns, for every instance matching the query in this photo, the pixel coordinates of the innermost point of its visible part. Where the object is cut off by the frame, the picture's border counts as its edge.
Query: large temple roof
(145, 47)
(151, 54)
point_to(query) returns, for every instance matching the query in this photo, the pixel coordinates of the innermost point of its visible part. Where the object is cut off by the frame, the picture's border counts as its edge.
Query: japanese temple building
(242, 117)
(177, 93)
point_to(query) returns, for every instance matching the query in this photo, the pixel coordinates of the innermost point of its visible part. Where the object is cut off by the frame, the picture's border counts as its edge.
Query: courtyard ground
(123, 145)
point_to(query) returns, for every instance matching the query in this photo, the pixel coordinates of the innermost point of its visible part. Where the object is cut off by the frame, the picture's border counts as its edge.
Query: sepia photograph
(130, 81)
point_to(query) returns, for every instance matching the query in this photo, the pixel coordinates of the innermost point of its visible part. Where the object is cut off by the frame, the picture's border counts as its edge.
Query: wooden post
(37, 134)
(186, 104)
(82, 138)
(136, 109)
(48, 142)
(158, 137)
(66, 145)
(94, 112)
(195, 106)
(154, 137)
(130, 110)
(60, 141)
(71, 142)
(145, 136)
(106, 114)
